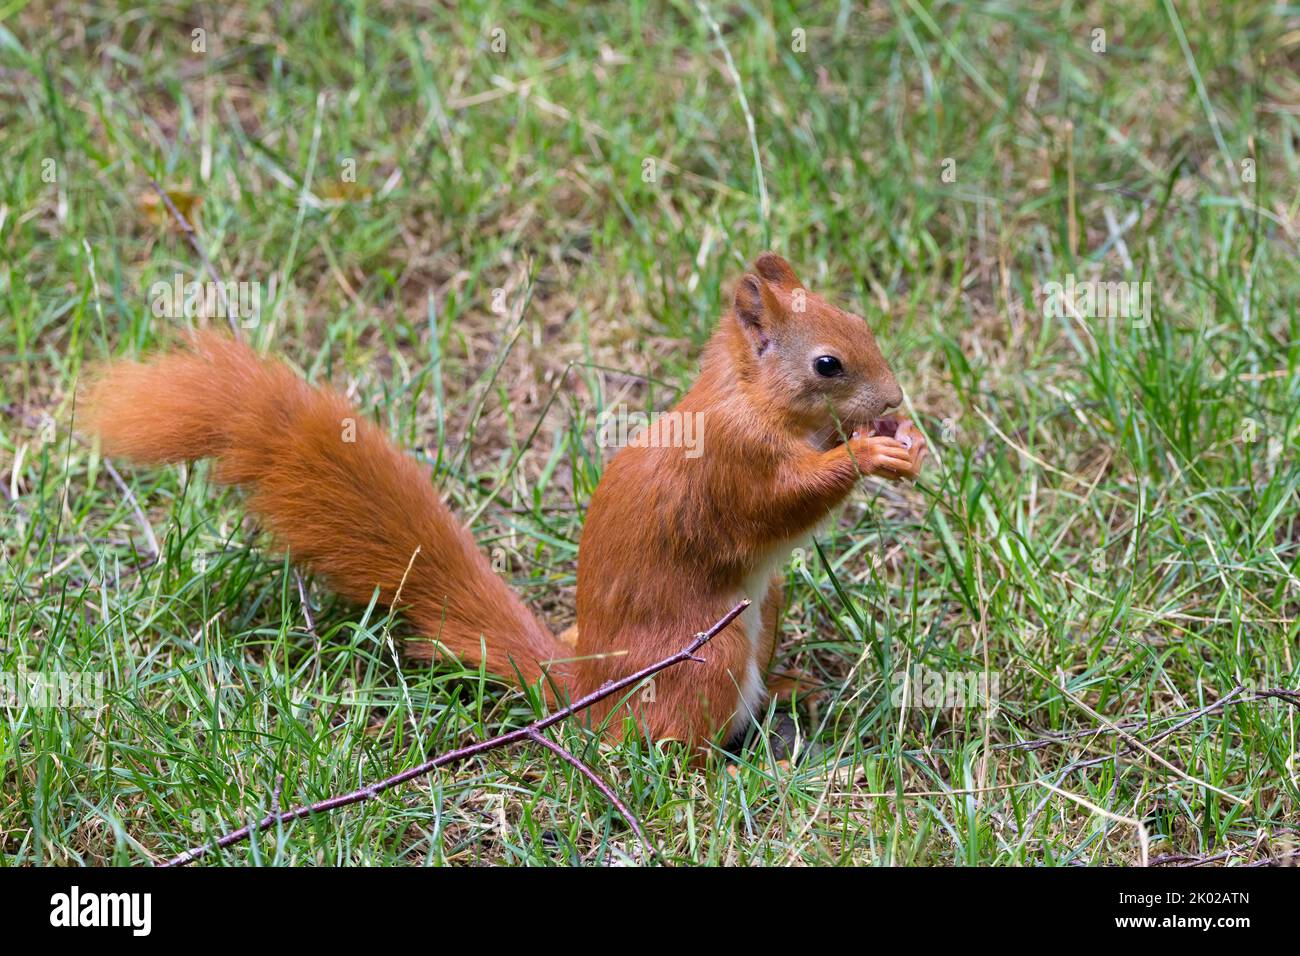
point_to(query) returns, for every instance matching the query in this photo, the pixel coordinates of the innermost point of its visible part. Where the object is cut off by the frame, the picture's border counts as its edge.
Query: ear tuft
(775, 269)
(756, 309)
(749, 300)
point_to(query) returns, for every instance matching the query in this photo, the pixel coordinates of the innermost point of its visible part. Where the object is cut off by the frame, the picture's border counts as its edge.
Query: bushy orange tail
(331, 488)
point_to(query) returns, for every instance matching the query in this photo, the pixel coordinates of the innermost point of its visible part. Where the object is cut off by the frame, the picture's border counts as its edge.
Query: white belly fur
(754, 587)
(753, 692)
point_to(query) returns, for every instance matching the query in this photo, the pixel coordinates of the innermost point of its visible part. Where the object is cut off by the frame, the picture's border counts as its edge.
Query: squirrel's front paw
(893, 449)
(879, 455)
(914, 441)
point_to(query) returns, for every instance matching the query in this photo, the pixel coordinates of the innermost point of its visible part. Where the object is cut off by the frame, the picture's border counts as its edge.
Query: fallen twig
(531, 732)
(135, 506)
(1133, 744)
(601, 785)
(1291, 697)
(1184, 860)
(306, 607)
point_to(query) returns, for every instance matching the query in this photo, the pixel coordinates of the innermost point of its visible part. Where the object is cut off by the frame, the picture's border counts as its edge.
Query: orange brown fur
(356, 513)
(670, 544)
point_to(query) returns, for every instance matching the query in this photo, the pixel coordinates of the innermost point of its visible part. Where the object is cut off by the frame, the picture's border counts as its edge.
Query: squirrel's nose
(893, 396)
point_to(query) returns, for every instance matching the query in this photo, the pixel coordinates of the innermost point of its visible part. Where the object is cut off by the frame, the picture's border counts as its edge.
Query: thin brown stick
(531, 732)
(1183, 860)
(1291, 697)
(1133, 744)
(193, 237)
(135, 506)
(306, 607)
(601, 785)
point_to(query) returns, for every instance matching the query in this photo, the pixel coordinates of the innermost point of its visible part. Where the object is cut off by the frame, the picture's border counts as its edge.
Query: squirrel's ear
(757, 310)
(775, 269)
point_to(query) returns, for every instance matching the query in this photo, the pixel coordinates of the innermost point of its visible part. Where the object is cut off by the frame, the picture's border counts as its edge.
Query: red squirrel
(790, 401)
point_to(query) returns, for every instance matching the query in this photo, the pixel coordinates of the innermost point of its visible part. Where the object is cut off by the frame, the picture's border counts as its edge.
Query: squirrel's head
(819, 365)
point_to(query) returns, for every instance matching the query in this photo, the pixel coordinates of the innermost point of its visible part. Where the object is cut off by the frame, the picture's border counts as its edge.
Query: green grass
(1095, 527)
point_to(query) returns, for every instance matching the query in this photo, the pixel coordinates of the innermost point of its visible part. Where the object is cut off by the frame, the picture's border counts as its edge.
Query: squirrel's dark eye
(827, 366)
